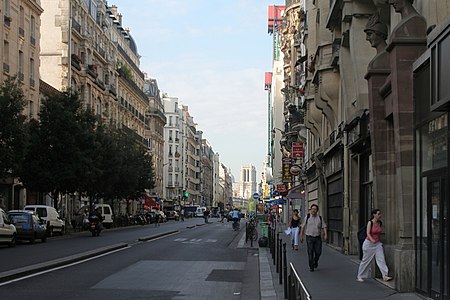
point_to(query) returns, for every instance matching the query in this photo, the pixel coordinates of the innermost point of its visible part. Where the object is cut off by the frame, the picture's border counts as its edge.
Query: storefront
(432, 104)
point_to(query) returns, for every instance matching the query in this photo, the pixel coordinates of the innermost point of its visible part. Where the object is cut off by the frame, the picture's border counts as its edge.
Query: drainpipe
(346, 212)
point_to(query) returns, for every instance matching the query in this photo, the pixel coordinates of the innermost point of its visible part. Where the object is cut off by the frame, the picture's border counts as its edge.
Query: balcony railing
(7, 20)
(32, 82)
(133, 86)
(130, 61)
(21, 32)
(76, 61)
(112, 90)
(92, 70)
(5, 68)
(76, 25)
(32, 40)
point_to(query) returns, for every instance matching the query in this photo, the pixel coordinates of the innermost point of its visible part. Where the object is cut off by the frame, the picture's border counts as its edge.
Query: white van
(200, 211)
(7, 230)
(51, 216)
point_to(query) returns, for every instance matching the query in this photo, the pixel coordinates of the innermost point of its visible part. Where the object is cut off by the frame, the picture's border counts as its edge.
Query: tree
(56, 158)
(12, 129)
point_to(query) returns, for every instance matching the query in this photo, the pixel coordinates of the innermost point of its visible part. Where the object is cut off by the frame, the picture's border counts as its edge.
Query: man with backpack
(313, 226)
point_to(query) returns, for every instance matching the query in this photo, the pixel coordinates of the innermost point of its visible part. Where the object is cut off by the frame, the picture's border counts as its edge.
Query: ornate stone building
(375, 104)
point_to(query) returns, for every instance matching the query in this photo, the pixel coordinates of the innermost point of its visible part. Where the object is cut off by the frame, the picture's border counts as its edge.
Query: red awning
(150, 201)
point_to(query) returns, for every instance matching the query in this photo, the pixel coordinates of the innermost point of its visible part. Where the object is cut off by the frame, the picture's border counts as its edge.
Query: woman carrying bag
(373, 247)
(293, 224)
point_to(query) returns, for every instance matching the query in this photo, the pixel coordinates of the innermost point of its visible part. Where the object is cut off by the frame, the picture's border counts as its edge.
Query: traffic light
(186, 194)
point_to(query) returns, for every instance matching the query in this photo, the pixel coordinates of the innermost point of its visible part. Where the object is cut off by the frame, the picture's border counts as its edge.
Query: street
(193, 262)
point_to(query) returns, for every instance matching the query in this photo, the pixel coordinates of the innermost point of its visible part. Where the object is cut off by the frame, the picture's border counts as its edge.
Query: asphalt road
(193, 262)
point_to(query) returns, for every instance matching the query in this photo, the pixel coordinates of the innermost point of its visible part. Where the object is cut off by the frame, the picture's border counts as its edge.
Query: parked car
(53, 221)
(28, 225)
(7, 230)
(173, 215)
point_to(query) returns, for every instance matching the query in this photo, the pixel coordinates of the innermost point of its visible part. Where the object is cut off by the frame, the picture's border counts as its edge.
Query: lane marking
(61, 267)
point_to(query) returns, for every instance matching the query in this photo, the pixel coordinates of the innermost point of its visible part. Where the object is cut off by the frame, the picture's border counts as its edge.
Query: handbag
(288, 231)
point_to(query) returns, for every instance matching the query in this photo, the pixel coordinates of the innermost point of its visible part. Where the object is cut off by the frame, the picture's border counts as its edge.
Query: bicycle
(252, 233)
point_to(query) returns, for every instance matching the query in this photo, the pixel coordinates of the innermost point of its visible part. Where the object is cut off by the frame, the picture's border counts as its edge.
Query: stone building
(20, 49)
(155, 122)
(207, 174)
(376, 113)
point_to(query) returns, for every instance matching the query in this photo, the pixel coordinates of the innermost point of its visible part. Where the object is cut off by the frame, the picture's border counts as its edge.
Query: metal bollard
(273, 245)
(285, 270)
(246, 233)
(270, 238)
(280, 275)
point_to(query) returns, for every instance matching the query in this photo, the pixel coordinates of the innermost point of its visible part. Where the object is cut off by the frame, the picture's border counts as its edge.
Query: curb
(31, 269)
(152, 237)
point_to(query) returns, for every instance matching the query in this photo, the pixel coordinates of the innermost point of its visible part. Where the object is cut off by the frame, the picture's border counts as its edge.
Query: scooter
(94, 225)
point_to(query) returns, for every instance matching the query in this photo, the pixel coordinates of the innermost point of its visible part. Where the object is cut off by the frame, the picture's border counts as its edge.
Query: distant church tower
(248, 181)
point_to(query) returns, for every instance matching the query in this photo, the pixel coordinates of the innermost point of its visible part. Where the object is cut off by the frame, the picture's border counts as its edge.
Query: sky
(212, 56)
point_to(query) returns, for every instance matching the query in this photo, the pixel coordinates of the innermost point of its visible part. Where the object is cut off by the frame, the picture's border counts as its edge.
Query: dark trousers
(314, 244)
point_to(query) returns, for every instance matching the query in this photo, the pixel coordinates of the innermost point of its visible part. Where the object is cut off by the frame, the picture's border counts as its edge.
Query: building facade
(376, 113)
(20, 33)
(247, 183)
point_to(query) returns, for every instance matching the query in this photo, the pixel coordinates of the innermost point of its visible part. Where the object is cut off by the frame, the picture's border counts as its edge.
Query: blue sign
(255, 196)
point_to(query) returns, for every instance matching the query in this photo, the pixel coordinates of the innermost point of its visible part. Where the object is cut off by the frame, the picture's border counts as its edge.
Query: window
(6, 7)
(21, 76)
(32, 72)
(170, 120)
(32, 30)
(6, 56)
(21, 22)
(31, 110)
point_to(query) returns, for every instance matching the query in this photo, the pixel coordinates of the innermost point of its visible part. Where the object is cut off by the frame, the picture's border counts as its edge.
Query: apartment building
(377, 126)
(21, 32)
(207, 174)
(20, 49)
(174, 137)
(155, 122)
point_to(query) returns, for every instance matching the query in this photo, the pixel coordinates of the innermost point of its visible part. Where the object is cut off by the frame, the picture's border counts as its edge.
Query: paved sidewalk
(335, 278)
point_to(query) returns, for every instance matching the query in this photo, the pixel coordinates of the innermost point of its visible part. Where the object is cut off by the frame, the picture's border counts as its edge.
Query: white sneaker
(359, 279)
(387, 278)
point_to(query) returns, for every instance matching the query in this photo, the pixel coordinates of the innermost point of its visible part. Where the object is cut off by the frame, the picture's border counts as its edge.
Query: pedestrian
(313, 226)
(205, 215)
(182, 214)
(294, 224)
(157, 217)
(372, 246)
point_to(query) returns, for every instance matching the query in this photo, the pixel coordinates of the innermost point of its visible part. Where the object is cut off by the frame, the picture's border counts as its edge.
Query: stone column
(407, 42)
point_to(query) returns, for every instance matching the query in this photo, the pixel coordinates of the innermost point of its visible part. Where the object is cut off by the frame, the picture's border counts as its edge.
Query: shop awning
(297, 192)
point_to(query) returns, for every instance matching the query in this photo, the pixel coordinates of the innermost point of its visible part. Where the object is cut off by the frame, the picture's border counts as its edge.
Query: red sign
(281, 188)
(297, 150)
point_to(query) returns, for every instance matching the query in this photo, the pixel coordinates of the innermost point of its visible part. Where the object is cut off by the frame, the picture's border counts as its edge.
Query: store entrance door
(438, 233)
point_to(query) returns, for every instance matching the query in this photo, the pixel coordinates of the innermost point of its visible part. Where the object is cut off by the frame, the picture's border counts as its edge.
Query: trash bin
(263, 229)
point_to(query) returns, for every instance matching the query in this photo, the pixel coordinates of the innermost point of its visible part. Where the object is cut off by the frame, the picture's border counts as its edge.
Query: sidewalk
(335, 278)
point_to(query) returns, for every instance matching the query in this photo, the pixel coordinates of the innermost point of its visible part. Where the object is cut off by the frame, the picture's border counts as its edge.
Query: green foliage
(70, 151)
(12, 129)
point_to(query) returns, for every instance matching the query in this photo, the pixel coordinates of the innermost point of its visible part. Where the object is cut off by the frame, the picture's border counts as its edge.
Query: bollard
(289, 296)
(246, 233)
(276, 253)
(285, 270)
(273, 245)
(270, 239)
(279, 245)
(280, 275)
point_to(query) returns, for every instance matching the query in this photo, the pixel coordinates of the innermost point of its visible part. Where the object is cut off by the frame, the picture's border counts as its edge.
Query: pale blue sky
(212, 55)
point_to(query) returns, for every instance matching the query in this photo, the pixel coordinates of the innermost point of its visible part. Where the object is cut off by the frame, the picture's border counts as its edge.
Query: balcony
(112, 90)
(21, 32)
(130, 61)
(76, 61)
(133, 86)
(32, 82)
(32, 40)
(76, 26)
(100, 84)
(92, 70)
(7, 20)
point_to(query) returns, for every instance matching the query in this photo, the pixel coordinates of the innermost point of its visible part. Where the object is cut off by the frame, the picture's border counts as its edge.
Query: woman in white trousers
(294, 223)
(373, 247)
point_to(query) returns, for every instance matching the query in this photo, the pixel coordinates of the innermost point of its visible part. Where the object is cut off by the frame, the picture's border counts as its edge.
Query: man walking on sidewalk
(312, 226)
